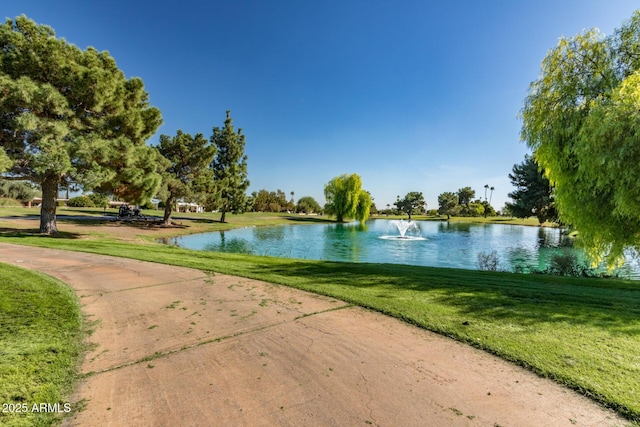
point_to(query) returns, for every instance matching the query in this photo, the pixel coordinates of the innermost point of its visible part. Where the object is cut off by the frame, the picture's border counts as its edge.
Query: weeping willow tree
(582, 120)
(71, 116)
(346, 198)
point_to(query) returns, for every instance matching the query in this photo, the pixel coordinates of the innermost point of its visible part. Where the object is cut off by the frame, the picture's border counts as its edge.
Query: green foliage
(488, 209)
(447, 203)
(5, 161)
(5, 201)
(89, 201)
(229, 169)
(81, 202)
(567, 264)
(363, 208)
(99, 200)
(461, 204)
(308, 205)
(70, 115)
(581, 119)
(533, 195)
(270, 201)
(472, 209)
(412, 204)
(465, 195)
(373, 209)
(19, 190)
(148, 205)
(345, 198)
(187, 176)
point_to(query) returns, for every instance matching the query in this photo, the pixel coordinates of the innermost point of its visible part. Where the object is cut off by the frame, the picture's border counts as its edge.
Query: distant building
(189, 207)
(37, 201)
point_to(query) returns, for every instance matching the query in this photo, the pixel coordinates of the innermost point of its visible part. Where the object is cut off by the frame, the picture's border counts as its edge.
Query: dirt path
(179, 347)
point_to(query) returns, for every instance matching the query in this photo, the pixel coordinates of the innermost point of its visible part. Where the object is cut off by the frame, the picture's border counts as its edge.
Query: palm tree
(491, 194)
(486, 187)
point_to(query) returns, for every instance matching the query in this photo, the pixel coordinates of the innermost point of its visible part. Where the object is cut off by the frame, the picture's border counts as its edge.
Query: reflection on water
(268, 233)
(229, 244)
(454, 227)
(443, 244)
(344, 242)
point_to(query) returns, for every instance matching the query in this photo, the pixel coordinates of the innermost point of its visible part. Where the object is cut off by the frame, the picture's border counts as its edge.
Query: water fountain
(403, 228)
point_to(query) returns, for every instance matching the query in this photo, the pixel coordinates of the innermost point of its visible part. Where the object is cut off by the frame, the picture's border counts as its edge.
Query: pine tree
(533, 195)
(229, 169)
(70, 115)
(187, 176)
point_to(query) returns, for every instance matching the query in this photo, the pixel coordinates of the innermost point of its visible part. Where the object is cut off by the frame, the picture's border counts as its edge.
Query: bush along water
(488, 261)
(561, 264)
(566, 264)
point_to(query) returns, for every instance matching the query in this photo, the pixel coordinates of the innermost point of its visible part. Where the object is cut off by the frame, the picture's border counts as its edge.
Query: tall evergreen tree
(533, 195)
(229, 169)
(188, 175)
(70, 115)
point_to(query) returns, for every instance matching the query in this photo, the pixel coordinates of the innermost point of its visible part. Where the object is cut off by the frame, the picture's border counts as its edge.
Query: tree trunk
(168, 207)
(222, 217)
(48, 209)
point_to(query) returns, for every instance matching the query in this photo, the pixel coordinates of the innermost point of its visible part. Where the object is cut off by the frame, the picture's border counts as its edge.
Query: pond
(426, 243)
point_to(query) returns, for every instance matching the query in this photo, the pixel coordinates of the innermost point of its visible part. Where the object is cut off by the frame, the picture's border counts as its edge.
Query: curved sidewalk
(176, 346)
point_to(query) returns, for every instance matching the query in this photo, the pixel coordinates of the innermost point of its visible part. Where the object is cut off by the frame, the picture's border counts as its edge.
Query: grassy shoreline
(583, 333)
(41, 332)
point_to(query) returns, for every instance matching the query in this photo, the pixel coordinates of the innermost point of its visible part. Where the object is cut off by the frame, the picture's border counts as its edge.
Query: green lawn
(40, 345)
(584, 333)
(259, 218)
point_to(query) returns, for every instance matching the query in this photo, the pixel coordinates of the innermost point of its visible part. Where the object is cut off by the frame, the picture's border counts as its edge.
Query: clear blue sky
(411, 95)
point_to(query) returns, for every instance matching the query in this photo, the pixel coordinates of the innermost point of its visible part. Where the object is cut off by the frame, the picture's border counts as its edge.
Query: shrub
(6, 201)
(18, 190)
(81, 202)
(99, 200)
(566, 264)
(488, 261)
(148, 205)
(520, 269)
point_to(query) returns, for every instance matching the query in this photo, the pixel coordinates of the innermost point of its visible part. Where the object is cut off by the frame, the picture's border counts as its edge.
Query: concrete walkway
(179, 347)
